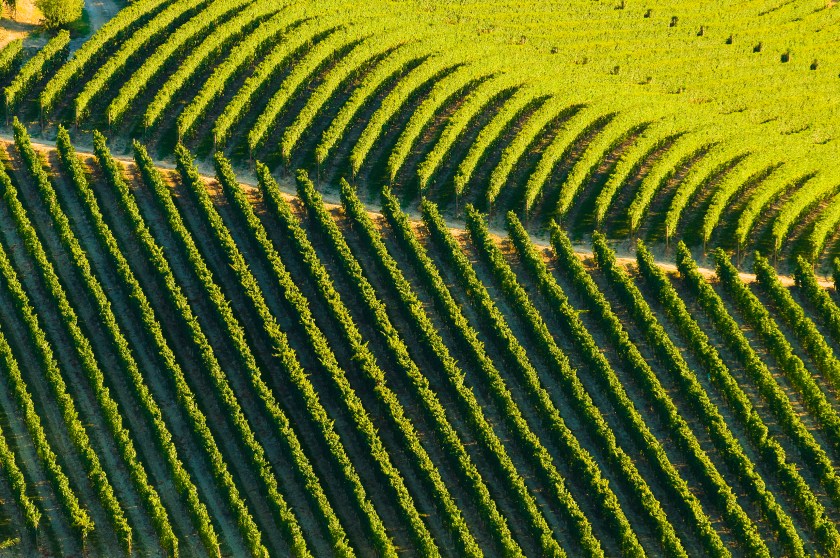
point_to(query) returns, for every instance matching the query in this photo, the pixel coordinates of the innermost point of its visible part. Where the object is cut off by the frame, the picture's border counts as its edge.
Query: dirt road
(99, 12)
(248, 178)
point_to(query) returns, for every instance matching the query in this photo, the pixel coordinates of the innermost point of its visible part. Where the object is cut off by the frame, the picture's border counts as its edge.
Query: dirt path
(99, 12)
(18, 24)
(331, 198)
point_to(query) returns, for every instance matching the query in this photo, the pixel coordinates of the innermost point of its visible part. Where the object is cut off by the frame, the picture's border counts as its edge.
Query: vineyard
(711, 124)
(423, 279)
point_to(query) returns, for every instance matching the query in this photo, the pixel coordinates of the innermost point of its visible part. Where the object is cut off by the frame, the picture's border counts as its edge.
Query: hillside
(704, 122)
(422, 278)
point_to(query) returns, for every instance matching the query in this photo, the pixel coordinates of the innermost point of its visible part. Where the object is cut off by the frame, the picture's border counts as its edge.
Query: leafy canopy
(60, 12)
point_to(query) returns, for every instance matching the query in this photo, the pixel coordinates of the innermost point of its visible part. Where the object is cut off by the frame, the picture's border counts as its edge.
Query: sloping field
(713, 122)
(202, 357)
(198, 367)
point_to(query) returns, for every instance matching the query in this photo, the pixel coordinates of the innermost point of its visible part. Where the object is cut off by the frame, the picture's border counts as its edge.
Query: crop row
(436, 412)
(296, 372)
(200, 57)
(320, 55)
(160, 26)
(50, 363)
(727, 443)
(319, 277)
(93, 49)
(790, 364)
(120, 433)
(155, 254)
(344, 69)
(181, 477)
(263, 37)
(492, 378)
(538, 330)
(780, 405)
(53, 53)
(270, 66)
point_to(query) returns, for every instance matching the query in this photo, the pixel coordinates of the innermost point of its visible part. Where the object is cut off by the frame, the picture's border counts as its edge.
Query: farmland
(286, 279)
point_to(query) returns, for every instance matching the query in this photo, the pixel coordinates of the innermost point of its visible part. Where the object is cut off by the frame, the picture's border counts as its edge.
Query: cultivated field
(321, 280)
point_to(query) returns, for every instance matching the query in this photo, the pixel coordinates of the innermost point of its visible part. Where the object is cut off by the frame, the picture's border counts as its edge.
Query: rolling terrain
(422, 279)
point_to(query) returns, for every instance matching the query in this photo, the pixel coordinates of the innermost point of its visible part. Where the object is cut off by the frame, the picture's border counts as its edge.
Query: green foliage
(9, 56)
(501, 393)
(721, 434)
(183, 482)
(456, 522)
(296, 372)
(94, 49)
(49, 362)
(760, 319)
(58, 13)
(362, 355)
(34, 69)
(769, 447)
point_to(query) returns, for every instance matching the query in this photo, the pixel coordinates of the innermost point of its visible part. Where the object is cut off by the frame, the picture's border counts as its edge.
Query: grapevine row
(393, 66)
(771, 391)
(658, 338)
(237, 261)
(791, 365)
(721, 435)
(399, 350)
(478, 99)
(9, 56)
(539, 395)
(526, 437)
(8, 462)
(49, 364)
(153, 327)
(233, 192)
(35, 68)
(78, 516)
(265, 36)
(617, 129)
(818, 189)
(177, 42)
(427, 72)
(340, 74)
(702, 173)
(525, 310)
(778, 401)
(183, 483)
(491, 134)
(236, 335)
(804, 328)
(159, 26)
(81, 344)
(776, 181)
(817, 296)
(825, 226)
(266, 70)
(174, 294)
(300, 304)
(554, 109)
(685, 149)
(199, 57)
(442, 92)
(597, 361)
(93, 48)
(653, 139)
(303, 70)
(122, 436)
(454, 446)
(371, 370)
